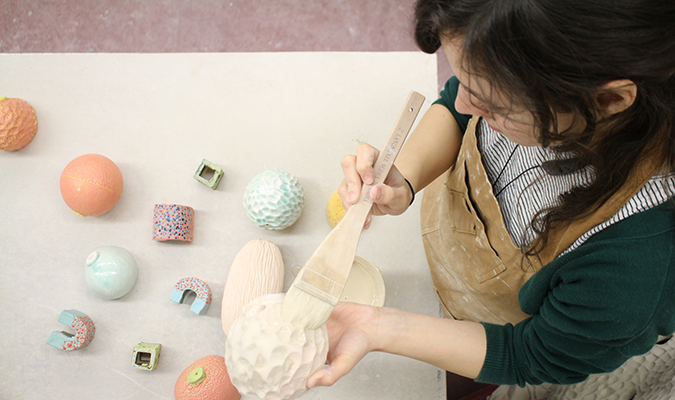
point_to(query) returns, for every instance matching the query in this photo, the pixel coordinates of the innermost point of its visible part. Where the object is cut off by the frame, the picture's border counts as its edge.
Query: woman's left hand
(354, 330)
(351, 336)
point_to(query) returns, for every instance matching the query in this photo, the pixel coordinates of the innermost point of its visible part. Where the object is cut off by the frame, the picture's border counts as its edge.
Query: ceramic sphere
(18, 124)
(111, 272)
(271, 357)
(274, 200)
(91, 185)
(334, 209)
(206, 379)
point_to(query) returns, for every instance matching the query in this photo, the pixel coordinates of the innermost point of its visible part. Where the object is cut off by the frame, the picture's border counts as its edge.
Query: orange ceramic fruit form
(91, 184)
(206, 379)
(18, 124)
(334, 210)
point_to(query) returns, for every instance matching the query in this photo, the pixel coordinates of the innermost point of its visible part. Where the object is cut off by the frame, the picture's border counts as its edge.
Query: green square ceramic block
(146, 356)
(209, 174)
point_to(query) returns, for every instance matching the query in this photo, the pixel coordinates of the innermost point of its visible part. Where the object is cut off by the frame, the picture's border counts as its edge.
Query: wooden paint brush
(318, 286)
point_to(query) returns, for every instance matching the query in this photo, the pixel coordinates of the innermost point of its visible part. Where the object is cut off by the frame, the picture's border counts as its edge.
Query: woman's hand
(391, 197)
(351, 336)
(354, 330)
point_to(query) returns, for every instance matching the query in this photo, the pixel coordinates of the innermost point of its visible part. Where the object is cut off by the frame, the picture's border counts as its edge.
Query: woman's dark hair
(553, 56)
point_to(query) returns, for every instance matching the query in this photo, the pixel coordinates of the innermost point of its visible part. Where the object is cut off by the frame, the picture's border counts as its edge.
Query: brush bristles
(305, 309)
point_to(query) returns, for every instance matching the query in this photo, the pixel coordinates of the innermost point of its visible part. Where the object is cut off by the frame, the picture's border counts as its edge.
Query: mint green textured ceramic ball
(274, 200)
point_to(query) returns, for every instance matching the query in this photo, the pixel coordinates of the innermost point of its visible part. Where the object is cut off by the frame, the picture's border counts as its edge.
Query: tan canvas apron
(476, 269)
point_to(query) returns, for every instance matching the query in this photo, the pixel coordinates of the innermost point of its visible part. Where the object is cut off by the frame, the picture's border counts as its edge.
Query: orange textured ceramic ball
(91, 184)
(206, 379)
(18, 124)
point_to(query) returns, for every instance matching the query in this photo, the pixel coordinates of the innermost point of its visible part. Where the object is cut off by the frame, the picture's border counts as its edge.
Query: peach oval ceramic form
(256, 270)
(206, 379)
(91, 184)
(18, 124)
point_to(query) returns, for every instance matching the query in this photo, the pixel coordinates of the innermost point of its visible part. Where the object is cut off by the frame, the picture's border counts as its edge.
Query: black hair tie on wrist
(411, 191)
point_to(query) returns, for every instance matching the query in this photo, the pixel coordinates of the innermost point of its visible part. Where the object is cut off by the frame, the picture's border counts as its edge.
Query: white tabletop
(157, 116)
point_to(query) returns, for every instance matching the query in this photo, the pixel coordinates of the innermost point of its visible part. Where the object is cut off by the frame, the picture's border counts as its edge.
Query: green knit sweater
(592, 308)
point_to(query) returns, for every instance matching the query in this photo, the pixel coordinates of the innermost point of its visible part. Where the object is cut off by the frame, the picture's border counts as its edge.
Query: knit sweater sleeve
(591, 309)
(447, 99)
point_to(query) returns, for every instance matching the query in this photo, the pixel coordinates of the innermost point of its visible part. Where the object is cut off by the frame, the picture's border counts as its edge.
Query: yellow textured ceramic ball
(18, 124)
(334, 210)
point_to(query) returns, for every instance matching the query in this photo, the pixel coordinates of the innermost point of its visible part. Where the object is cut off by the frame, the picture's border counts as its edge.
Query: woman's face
(475, 97)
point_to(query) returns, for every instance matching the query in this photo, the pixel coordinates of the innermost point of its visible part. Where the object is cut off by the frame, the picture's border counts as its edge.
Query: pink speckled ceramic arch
(199, 287)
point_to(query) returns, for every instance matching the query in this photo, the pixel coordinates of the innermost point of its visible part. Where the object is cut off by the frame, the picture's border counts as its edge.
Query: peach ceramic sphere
(206, 379)
(18, 124)
(91, 185)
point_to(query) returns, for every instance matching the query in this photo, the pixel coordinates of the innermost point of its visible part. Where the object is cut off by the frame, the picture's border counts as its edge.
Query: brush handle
(326, 271)
(385, 160)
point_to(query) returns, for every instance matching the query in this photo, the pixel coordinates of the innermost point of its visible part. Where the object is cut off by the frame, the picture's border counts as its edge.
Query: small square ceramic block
(146, 356)
(84, 331)
(209, 168)
(173, 222)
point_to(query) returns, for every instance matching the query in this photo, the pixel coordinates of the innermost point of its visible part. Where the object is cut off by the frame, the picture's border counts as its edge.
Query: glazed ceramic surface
(270, 357)
(111, 272)
(257, 270)
(274, 200)
(18, 124)
(206, 379)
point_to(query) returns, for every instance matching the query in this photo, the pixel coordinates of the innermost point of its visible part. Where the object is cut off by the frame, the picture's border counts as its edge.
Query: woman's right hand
(391, 197)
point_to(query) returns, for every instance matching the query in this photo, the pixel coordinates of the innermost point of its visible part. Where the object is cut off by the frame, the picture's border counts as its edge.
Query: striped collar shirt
(523, 188)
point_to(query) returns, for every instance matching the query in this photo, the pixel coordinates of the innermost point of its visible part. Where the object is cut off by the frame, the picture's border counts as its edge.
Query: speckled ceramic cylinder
(173, 222)
(274, 200)
(111, 272)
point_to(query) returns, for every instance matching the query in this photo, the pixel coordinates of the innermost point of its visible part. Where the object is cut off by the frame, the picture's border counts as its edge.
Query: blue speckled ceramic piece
(84, 331)
(186, 285)
(274, 200)
(111, 272)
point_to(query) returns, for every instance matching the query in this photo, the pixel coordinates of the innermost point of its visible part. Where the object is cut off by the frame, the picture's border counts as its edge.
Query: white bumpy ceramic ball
(274, 199)
(270, 357)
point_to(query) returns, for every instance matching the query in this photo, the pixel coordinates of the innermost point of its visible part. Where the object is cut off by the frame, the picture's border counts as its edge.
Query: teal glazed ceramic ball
(274, 200)
(111, 272)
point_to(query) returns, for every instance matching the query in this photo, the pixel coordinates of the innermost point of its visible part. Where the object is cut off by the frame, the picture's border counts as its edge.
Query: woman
(548, 169)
